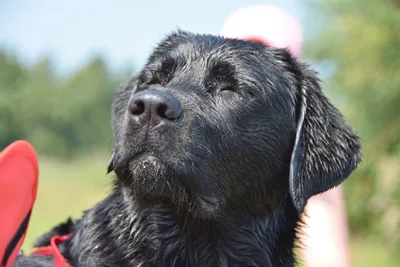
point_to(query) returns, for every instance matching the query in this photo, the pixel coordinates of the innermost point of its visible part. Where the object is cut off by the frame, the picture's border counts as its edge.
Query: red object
(19, 174)
(52, 250)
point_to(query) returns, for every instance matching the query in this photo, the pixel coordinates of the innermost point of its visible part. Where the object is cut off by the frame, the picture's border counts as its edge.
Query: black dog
(219, 145)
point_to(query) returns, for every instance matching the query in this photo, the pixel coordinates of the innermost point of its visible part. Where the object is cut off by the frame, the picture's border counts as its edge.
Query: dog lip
(208, 201)
(207, 205)
(141, 154)
(125, 161)
(144, 156)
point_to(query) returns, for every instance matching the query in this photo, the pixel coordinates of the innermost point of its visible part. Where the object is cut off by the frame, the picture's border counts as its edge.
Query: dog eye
(148, 78)
(154, 80)
(226, 90)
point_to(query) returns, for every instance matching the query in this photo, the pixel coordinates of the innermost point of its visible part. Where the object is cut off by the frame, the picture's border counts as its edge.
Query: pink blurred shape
(267, 24)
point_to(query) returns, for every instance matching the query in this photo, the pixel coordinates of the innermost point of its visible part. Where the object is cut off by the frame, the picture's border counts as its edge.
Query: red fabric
(19, 173)
(18, 187)
(52, 250)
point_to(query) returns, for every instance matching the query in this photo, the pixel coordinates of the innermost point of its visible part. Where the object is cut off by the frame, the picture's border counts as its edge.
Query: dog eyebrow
(168, 66)
(221, 72)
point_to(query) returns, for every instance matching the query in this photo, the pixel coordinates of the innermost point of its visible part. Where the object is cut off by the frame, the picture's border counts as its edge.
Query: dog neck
(156, 236)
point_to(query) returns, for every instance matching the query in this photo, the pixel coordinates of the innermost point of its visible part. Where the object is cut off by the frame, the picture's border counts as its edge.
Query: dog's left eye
(226, 90)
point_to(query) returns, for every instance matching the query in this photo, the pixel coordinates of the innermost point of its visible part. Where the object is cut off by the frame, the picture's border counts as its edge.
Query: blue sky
(124, 31)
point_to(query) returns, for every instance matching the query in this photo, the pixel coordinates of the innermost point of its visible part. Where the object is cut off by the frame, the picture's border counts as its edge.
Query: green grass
(366, 252)
(66, 189)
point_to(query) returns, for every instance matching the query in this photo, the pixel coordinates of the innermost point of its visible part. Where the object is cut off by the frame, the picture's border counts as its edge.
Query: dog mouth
(142, 155)
(208, 204)
(157, 173)
(145, 160)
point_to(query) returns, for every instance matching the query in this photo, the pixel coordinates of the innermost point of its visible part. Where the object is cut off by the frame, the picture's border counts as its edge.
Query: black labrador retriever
(219, 145)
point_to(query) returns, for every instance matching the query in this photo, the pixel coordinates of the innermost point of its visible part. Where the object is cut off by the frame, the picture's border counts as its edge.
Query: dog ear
(326, 150)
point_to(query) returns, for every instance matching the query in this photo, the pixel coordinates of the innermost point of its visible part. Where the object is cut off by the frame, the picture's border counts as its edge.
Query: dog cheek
(258, 164)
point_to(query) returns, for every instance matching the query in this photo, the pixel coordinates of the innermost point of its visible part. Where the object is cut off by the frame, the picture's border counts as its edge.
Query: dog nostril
(136, 108)
(167, 112)
(152, 107)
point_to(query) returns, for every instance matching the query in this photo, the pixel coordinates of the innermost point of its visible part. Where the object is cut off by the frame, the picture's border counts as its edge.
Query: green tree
(84, 120)
(361, 39)
(12, 78)
(60, 116)
(34, 105)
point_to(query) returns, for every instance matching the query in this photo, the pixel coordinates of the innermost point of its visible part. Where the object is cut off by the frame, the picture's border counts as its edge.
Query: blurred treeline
(360, 42)
(60, 115)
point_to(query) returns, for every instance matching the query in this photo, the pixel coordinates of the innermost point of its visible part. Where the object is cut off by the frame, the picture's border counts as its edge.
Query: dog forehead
(190, 47)
(199, 56)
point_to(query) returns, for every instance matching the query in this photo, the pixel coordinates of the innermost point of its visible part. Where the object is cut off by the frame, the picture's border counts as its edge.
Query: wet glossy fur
(257, 135)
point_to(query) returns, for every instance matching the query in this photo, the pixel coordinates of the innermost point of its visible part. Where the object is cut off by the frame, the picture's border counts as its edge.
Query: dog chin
(149, 171)
(144, 161)
(153, 181)
(149, 178)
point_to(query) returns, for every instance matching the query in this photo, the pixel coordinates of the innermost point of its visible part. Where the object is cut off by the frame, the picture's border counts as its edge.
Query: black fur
(225, 183)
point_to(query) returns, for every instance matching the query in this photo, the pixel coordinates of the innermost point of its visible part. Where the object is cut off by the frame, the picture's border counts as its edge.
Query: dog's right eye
(154, 80)
(160, 73)
(145, 81)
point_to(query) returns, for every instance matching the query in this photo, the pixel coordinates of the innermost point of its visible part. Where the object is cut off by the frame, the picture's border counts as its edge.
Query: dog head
(227, 126)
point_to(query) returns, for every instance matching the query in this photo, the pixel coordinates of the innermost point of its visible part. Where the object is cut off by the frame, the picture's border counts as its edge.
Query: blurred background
(62, 61)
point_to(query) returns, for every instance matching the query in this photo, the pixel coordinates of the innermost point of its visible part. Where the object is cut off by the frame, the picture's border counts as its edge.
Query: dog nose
(154, 107)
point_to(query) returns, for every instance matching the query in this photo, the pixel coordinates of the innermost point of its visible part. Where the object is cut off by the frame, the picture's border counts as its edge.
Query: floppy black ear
(326, 150)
